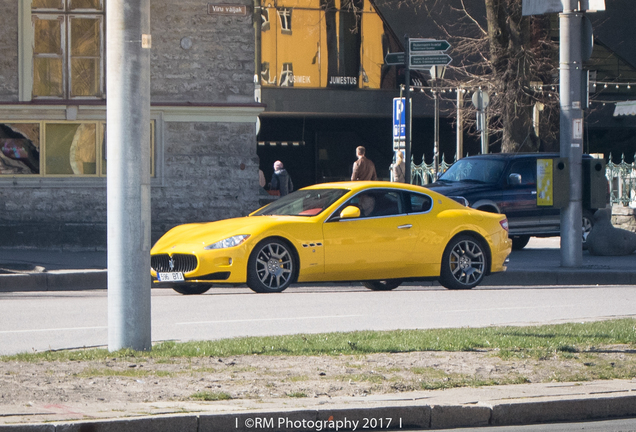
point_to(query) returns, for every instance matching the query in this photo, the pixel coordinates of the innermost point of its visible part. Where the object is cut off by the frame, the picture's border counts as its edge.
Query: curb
(73, 280)
(371, 418)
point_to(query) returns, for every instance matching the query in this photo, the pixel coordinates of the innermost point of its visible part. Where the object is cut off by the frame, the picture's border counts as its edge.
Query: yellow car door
(375, 245)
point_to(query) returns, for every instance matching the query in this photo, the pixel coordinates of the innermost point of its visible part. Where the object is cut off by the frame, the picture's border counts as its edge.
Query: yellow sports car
(378, 233)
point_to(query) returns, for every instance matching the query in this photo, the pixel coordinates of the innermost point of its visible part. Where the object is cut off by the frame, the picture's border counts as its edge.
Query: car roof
(359, 185)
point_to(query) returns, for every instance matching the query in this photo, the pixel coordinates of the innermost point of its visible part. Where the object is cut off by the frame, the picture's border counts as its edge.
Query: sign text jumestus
(227, 9)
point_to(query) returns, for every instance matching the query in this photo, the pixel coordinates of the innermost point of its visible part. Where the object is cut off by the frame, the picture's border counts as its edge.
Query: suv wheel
(519, 242)
(588, 222)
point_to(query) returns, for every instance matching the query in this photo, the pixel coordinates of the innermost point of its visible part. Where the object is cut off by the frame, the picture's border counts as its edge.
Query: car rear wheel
(464, 263)
(190, 289)
(271, 267)
(519, 242)
(382, 285)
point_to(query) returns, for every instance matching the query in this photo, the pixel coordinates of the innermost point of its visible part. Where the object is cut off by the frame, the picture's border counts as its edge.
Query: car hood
(198, 235)
(458, 188)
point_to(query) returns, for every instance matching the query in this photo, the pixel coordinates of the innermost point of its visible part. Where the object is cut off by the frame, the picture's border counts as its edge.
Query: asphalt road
(57, 320)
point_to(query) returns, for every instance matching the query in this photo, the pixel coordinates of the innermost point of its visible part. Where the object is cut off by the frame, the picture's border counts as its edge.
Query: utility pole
(407, 110)
(571, 145)
(128, 182)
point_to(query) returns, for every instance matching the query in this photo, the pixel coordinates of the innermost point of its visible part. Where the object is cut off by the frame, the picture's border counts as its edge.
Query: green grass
(210, 396)
(519, 342)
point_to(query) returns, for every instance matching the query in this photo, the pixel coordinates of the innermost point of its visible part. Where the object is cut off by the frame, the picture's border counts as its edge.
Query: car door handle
(407, 226)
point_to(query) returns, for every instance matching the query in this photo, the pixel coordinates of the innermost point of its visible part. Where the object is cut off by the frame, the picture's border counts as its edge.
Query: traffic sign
(426, 61)
(399, 119)
(394, 59)
(423, 45)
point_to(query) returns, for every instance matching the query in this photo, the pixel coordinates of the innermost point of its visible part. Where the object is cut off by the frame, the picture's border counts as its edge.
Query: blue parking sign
(399, 119)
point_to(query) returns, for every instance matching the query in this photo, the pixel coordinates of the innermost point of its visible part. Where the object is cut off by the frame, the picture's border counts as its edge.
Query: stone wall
(624, 217)
(215, 62)
(8, 50)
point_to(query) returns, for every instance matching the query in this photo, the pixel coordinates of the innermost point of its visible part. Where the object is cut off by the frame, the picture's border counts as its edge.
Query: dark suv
(506, 183)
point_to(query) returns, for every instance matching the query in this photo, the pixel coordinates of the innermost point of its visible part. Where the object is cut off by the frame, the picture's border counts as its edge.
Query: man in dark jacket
(363, 168)
(281, 181)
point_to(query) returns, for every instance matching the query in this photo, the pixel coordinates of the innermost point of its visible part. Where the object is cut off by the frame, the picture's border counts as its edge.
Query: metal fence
(622, 181)
(621, 177)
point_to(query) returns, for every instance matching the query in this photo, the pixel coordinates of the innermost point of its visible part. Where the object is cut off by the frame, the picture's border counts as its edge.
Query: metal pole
(407, 111)
(128, 184)
(460, 125)
(436, 143)
(571, 125)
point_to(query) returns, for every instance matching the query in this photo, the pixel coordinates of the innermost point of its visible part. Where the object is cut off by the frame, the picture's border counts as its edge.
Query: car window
(476, 170)
(419, 203)
(304, 202)
(527, 169)
(377, 202)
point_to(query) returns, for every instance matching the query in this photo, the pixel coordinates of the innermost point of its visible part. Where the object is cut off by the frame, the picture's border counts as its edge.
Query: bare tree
(513, 57)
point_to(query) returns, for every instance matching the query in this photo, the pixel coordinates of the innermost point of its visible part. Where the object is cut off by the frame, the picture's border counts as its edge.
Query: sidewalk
(441, 409)
(539, 263)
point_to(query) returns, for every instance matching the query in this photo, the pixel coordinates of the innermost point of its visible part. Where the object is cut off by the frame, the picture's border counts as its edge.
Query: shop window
(57, 148)
(68, 48)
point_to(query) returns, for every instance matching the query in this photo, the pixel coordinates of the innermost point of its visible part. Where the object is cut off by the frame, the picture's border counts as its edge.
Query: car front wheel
(382, 285)
(271, 267)
(464, 263)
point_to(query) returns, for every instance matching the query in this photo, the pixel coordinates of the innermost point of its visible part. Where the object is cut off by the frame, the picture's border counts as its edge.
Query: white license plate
(170, 277)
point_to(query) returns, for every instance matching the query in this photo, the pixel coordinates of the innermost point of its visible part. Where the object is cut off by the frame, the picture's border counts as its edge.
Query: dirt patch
(255, 377)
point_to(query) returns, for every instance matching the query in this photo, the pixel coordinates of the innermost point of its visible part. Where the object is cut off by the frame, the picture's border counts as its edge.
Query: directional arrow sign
(423, 45)
(426, 61)
(394, 59)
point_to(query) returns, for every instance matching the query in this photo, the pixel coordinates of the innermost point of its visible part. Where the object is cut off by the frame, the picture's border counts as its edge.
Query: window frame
(27, 55)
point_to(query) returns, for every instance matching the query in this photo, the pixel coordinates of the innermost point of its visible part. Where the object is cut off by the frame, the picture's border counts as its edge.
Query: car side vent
(183, 263)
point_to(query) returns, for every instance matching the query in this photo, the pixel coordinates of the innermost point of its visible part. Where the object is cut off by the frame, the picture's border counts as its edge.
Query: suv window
(527, 169)
(477, 170)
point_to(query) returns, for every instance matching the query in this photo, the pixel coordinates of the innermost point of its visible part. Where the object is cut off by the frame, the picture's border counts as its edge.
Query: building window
(265, 19)
(57, 148)
(285, 15)
(287, 75)
(68, 48)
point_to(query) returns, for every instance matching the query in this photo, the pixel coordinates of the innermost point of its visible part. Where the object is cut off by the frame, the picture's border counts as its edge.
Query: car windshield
(475, 170)
(307, 202)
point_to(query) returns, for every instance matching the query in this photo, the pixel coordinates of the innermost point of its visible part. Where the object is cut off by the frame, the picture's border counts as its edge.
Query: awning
(625, 108)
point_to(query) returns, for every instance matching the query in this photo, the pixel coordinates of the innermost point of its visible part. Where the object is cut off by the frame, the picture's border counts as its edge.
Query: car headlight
(228, 242)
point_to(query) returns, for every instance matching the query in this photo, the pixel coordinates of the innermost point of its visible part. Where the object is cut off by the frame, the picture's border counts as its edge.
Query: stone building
(53, 111)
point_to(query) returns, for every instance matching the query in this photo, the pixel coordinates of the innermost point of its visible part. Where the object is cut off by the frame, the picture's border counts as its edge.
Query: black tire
(464, 263)
(382, 285)
(519, 242)
(190, 289)
(588, 223)
(271, 267)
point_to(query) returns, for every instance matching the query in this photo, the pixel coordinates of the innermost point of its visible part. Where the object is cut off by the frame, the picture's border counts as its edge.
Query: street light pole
(407, 111)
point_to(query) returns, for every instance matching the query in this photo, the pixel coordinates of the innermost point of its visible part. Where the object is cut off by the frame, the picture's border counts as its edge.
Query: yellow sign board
(545, 182)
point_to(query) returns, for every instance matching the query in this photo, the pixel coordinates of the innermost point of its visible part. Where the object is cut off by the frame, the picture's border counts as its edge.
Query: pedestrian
(363, 168)
(281, 181)
(399, 167)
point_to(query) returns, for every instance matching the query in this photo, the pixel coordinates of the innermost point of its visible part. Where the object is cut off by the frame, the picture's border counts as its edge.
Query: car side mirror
(350, 212)
(514, 179)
